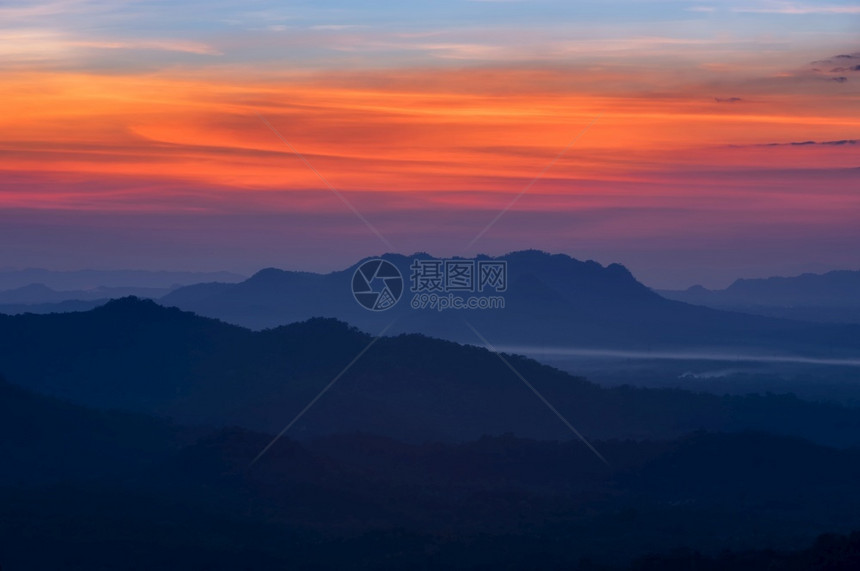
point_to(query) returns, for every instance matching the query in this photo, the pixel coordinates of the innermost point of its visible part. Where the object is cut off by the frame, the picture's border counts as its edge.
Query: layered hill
(135, 355)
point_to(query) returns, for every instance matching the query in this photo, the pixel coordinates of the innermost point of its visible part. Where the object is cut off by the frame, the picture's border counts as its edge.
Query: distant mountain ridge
(59, 307)
(34, 294)
(550, 300)
(830, 297)
(37, 290)
(90, 279)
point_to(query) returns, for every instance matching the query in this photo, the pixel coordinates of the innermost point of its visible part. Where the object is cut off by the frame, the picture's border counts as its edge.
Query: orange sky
(683, 144)
(440, 131)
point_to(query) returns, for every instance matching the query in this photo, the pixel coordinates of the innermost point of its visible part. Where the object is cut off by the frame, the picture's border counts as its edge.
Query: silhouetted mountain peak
(321, 327)
(620, 270)
(132, 309)
(573, 301)
(556, 262)
(400, 260)
(272, 276)
(267, 273)
(534, 253)
(32, 288)
(131, 303)
(539, 258)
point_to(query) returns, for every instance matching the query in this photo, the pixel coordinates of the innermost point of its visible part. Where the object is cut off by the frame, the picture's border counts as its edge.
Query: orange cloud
(465, 138)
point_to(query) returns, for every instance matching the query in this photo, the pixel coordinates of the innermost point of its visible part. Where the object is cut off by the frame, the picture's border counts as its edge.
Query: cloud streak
(799, 9)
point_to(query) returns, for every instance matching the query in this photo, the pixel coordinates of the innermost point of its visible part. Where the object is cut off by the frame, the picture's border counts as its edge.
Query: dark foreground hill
(360, 501)
(138, 356)
(46, 440)
(550, 300)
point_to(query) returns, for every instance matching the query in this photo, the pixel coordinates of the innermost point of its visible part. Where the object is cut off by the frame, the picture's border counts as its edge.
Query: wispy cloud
(839, 143)
(268, 33)
(38, 46)
(337, 27)
(184, 46)
(20, 11)
(798, 8)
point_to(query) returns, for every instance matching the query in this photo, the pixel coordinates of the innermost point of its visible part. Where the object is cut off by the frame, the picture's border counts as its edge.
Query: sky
(691, 141)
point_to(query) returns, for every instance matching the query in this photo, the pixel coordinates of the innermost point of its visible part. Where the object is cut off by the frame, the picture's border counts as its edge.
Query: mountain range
(135, 355)
(830, 297)
(35, 294)
(133, 434)
(91, 279)
(551, 300)
(86, 489)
